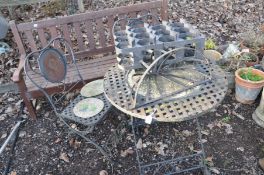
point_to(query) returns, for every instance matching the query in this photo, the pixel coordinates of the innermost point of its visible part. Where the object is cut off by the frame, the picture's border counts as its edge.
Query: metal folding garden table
(162, 76)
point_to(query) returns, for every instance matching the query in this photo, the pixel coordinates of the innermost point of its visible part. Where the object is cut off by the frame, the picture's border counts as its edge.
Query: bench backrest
(88, 33)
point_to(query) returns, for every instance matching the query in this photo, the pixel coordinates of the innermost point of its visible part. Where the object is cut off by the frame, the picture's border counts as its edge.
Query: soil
(232, 145)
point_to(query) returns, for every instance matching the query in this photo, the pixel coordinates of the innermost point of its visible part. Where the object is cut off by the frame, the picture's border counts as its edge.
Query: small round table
(211, 93)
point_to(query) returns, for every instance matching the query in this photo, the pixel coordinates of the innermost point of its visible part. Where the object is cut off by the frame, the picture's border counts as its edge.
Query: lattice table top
(210, 94)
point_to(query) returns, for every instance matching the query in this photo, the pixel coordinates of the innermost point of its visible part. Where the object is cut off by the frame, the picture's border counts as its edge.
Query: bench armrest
(17, 74)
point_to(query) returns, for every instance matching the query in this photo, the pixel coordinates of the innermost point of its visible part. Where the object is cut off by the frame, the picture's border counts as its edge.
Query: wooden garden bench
(88, 33)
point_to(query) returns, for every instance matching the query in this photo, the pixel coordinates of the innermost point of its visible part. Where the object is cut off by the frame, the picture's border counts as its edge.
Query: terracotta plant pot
(213, 54)
(250, 63)
(247, 91)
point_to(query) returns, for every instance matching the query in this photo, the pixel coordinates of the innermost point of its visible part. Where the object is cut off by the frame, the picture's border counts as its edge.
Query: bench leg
(27, 101)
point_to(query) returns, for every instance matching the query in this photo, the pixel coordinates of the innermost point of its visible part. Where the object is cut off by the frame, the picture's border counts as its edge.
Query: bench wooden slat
(87, 71)
(90, 34)
(42, 37)
(101, 32)
(79, 35)
(110, 26)
(88, 64)
(133, 14)
(53, 31)
(31, 40)
(66, 33)
(122, 22)
(90, 15)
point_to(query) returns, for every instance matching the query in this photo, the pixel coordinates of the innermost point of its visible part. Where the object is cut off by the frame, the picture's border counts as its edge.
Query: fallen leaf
(203, 140)
(57, 140)
(191, 147)
(4, 135)
(214, 170)
(2, 117)
(238, 115)
(22, 133)
(146, 131)
(218, 115)
(77, 144)
(160, 148)
(74, 143)
(13, 173)
(229, 129)
(209, 160)
(205, 133)
(187, 133)
(71, 142)
(127, 152)
(139, 144)
(103, 172)
(64, 157)
(210, 125)
(241, 149)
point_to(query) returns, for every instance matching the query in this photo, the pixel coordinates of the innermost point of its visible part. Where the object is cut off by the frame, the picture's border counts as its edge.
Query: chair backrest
(51, 64)
(88, 33)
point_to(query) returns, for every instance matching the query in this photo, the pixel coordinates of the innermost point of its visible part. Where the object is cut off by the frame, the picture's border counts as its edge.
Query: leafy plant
(253, 40)
(249, 75)
(210, 44)
(248, 57)
(226, 119)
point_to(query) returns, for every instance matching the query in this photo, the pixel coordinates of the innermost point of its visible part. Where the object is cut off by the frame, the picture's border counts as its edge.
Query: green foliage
(226, 119)
(210, 44)
(248, 57)
(249, 75)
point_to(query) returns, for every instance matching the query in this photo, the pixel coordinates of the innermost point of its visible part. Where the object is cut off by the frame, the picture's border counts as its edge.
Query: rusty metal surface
(210, 94)
(52, 65)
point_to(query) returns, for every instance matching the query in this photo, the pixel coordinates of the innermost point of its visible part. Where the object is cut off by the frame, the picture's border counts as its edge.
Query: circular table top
(209, 96)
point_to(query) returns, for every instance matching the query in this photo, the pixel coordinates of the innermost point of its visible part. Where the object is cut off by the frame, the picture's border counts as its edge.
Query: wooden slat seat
(90, 70)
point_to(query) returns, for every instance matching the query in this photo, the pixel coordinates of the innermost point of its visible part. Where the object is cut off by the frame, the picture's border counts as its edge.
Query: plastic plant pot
(122, 45)
(166, 38)
(135, 24)
(120, 33)
(139, 30)
(177, 24)
(246, 90)
(158, 27)
(121, 39)
(162, 32)
(141, 35)
(143, 42)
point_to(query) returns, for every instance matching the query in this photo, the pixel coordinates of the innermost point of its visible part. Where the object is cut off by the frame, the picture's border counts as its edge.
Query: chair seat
(67, 113)
(89, 70)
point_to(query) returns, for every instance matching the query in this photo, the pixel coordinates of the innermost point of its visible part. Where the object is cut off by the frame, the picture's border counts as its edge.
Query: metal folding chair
(53, 64)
